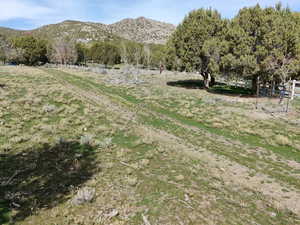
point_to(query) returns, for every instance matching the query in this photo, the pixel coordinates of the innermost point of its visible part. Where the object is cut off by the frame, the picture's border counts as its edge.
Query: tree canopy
(259, 41)
(34, 51)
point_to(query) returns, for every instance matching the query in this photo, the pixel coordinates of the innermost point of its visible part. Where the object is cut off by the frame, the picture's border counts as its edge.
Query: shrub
(49, 108)
(86, 139)
(282, 140)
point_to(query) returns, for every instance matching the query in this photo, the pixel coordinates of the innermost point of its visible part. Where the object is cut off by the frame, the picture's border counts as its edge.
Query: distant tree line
(32, 51)
(122, 52)
(258, 42)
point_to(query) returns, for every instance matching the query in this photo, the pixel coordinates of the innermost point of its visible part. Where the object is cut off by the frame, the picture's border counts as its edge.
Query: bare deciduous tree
(137, 55)
(64, 52)
(124, 54)
(147, 52)
(14, 55)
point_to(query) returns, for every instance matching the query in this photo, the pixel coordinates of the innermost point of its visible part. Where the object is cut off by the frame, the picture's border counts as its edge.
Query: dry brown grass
(172, 173)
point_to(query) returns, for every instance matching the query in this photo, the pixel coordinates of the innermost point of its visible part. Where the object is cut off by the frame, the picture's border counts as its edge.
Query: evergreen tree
(195, 44)
(258, 42)
(82, 53)
(263, 43)
(34, 50)
(2, 55)
(106, 53)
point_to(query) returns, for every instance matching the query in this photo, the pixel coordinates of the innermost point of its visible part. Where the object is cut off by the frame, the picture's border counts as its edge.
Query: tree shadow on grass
(230, 90)
(218, 88)
(43, 177)
(188, 84)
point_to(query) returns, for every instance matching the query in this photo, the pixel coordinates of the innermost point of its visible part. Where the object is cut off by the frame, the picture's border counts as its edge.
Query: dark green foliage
(2, 49)
(82, 53)
(30, 50)
(190, 36)
(131, 52)
(105, 53)
(4, 212)
(265, 43)
(2, 55)
(127, 52)
(197, 44)
(259, 41)
(33, 50)
(157, 55)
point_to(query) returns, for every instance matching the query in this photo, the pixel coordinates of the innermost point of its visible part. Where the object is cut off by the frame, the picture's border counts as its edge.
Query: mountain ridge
(141, 29)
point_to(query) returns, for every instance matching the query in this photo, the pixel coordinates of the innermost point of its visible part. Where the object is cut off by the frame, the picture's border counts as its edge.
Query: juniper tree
(259, 41)
(2, 55)
(105, 53)
(34, 50)
(194, 45)
(263, 42)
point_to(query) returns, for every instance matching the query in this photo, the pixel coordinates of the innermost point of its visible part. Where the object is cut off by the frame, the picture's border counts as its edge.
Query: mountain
(74, 30)
(143, 30)
(140, 30)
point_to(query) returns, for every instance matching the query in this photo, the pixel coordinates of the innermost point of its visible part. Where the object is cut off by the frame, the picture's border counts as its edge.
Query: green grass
(230, 90)
(4, 212)
(151, 188)
(253, 140)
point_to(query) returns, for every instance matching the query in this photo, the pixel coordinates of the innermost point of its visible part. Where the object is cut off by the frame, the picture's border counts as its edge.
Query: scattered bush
(86, 139)
(49, 108)
(105, 143)
(282, 140)
(84, 195)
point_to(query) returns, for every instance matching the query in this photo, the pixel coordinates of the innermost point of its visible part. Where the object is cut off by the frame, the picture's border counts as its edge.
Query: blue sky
(29, 14)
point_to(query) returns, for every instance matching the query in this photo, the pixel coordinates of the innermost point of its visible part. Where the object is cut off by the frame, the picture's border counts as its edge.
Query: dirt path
(232, 173)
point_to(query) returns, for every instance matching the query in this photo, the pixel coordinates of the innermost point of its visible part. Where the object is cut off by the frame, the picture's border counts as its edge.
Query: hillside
(141, 30)
(74, 30)
(7, 32)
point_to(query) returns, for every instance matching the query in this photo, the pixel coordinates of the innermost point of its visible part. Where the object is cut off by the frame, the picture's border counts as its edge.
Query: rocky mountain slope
(141, 30)
(74, 30)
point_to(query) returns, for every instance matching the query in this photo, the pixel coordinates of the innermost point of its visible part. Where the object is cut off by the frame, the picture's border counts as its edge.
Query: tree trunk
(208, 80)
(213, 81)
(254, 84)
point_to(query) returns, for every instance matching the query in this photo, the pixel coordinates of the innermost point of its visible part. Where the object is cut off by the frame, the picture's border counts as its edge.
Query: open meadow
(76, 148)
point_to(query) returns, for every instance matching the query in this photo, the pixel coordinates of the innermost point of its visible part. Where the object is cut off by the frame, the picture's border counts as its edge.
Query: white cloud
(14, 9)
(35, 13)
(41, 12)
(173, 11)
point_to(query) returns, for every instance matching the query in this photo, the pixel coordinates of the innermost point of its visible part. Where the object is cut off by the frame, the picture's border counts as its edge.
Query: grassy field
(163, 152)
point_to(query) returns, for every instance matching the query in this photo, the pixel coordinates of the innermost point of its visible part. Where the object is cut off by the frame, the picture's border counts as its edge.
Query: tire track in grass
(130, 101)
(259, 178)
(240, 154)
(96, 99)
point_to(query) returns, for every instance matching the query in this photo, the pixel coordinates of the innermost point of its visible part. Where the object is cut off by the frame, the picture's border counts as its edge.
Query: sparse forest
(32, 51)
